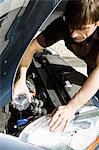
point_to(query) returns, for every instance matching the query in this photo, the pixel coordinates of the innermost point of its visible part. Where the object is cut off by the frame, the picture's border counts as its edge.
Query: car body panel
(24, 21)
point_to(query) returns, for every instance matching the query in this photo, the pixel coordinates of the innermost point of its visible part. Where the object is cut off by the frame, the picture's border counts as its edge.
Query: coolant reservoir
(80, 133)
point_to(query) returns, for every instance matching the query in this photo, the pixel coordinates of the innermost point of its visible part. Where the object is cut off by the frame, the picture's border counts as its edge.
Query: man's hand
(61, 118)
(21, 88)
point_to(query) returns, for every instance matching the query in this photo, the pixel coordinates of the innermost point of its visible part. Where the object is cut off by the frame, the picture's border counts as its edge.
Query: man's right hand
(21, 88)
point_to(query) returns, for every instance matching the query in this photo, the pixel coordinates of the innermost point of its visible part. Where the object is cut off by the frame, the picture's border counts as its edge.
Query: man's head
(82, 17)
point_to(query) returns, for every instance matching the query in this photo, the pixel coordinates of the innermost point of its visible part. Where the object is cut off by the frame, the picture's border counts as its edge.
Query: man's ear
(97, 23)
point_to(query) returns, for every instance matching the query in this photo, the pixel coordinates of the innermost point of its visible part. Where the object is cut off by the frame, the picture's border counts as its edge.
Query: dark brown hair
(81, 12)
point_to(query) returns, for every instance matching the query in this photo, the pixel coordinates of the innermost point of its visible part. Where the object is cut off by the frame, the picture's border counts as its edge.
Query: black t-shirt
(58, 30)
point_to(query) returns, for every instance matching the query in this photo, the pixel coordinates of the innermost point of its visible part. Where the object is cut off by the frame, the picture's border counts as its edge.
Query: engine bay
(54, 82)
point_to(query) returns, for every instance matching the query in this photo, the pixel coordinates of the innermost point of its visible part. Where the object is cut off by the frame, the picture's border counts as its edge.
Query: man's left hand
(61, 118)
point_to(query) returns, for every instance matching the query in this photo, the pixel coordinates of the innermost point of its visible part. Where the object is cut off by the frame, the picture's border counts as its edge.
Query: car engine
(53, 81)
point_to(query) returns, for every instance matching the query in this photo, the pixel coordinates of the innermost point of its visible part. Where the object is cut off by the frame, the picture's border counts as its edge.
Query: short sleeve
(53, 33)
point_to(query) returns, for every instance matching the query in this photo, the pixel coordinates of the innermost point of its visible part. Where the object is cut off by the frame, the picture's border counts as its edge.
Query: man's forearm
(87, 91)
(27, 58)
(25, 63)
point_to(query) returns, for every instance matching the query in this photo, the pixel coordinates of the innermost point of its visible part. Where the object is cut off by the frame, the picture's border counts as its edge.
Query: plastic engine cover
(78, 135)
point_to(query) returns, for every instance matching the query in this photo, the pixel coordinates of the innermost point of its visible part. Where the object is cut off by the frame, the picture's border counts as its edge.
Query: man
(79, 28)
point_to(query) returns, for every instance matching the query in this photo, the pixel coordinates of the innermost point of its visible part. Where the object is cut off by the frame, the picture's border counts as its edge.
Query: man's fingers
(54, 118)
(30, 95)
(65, 125)
(56, 124)
(62, 125)
(61, 118)
(33, 93)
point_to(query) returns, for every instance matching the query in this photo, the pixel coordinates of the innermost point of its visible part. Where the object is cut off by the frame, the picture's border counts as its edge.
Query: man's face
(81, 34)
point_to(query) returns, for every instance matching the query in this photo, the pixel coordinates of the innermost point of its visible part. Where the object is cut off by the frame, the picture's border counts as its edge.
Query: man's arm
(87, 91)
(65, 113)
(27, 58)
(20, 85)
(89, 88)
